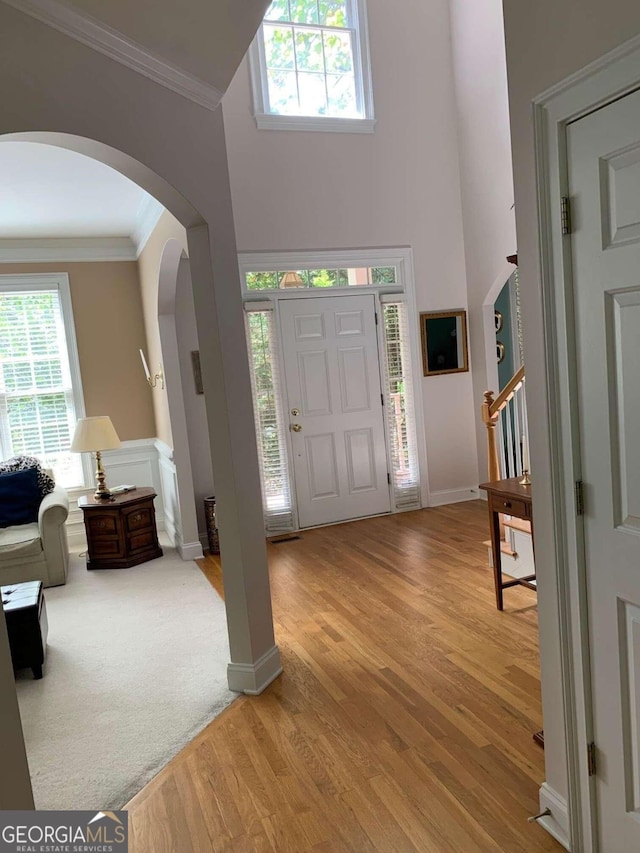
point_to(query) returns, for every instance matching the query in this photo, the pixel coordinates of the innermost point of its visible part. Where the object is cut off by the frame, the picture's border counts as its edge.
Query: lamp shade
(291, 279)
(94, 434)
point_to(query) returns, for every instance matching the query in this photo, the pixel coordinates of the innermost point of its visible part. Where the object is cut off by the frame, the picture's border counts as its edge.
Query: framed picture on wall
(444, 342)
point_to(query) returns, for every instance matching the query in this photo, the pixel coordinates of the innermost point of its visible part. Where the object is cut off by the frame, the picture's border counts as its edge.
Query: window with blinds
(37, 407)
(405, 475)
(272, 451)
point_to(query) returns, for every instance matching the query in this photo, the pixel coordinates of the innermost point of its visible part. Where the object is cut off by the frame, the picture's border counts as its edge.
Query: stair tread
(505, 548)
(518, 524)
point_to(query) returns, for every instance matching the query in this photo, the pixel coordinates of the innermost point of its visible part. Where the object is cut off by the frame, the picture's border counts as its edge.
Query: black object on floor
(26, 616)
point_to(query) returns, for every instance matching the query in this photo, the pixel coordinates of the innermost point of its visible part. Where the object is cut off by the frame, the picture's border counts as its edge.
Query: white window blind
(37, 408)
(272, 451)
(405, 476)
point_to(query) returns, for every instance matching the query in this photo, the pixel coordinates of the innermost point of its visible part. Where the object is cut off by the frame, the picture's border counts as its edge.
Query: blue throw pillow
(19, 497)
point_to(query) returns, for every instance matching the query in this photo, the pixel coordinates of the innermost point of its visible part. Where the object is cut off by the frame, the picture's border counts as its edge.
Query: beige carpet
(136, 666)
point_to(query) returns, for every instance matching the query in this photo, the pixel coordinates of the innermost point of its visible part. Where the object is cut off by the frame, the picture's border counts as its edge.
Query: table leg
(494, 521)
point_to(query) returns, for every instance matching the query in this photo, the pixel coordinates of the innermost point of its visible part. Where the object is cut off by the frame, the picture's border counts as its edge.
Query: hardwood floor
(404, 717)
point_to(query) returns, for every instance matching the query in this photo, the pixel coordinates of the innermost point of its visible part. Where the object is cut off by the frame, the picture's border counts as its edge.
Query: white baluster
(510, 459)
(517, 403)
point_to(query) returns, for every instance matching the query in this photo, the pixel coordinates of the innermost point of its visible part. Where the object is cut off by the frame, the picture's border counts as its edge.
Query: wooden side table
(507, 497)
(26, 614)
(121, 530)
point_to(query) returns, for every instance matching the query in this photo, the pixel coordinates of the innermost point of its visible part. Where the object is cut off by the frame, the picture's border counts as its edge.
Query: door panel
(313, 370)
(354, 380)
(604, 176)
(332, 373)
(322, 466)
(361, 470)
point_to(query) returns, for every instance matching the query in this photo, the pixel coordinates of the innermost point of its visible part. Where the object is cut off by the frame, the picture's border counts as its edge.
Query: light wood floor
(404, 716)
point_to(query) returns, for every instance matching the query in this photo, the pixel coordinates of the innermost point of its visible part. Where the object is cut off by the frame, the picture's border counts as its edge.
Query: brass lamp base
(101, 492)
(526, 479)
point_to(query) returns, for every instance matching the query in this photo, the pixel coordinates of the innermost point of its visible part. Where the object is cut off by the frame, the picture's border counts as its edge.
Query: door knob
(296, 427)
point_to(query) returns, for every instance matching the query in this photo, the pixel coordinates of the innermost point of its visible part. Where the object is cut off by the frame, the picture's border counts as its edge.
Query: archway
(506, 271)
(175, 150)
(181, 518)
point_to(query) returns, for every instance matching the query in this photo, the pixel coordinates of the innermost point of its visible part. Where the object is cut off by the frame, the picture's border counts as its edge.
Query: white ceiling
(48, 192)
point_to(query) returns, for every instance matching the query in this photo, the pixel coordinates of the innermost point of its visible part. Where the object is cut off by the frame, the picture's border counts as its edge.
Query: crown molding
(116, 46)
(96, 249)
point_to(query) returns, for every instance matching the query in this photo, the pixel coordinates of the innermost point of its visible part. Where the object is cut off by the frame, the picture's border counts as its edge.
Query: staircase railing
(505, 418)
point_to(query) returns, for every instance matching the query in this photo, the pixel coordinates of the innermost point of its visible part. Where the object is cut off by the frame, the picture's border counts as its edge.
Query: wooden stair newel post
(490, 420)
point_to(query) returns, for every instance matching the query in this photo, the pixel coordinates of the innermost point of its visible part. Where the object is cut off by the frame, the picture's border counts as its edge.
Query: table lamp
(93, 435)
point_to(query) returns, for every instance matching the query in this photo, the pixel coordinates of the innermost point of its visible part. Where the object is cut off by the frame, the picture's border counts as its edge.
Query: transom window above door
(310, 67)
(313, 278)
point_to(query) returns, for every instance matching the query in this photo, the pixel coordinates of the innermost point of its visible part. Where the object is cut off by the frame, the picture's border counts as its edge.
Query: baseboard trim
(253, 678)
(557, 823)
(191, 551)
(454, 496)
(76, 538)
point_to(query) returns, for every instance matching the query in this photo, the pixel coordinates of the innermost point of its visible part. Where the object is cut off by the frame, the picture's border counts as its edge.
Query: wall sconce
(157, 377)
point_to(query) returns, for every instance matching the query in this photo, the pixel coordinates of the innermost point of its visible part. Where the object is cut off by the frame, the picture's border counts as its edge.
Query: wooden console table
(507, 497)
(121, 530)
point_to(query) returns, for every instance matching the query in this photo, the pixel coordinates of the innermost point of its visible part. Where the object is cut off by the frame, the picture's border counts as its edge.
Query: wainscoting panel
(142, 462)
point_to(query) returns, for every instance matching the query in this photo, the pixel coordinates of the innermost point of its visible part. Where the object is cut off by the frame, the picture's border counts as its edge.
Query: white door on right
(604, 176)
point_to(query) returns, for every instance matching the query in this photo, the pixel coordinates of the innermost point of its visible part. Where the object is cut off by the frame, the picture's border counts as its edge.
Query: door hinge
(376, 316)
(388, 478)
(579, 497)
(565, 214)
(382, 399)
(591, 758)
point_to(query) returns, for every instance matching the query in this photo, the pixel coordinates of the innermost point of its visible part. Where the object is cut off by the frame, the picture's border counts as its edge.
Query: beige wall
(107, 311)
(397, 187)
(546, 42)
(149, 271)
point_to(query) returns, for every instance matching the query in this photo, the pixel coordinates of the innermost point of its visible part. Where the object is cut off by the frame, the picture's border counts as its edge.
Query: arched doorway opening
(173, 257)
(181, 519)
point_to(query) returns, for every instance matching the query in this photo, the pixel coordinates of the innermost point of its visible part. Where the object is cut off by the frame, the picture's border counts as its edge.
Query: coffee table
(26, 615)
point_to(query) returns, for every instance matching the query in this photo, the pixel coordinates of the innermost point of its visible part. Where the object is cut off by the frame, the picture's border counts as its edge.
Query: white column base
(191, 551)
(557, 823)
(253, 678)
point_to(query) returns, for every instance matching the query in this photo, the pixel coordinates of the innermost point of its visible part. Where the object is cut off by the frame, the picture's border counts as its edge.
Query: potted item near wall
(444, 342)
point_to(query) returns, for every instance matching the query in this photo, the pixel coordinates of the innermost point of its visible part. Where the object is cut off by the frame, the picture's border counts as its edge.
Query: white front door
(604, 175)
(335, 410)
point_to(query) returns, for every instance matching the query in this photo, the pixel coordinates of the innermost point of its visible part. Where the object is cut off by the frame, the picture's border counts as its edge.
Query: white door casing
(332, 375)
(604, 182)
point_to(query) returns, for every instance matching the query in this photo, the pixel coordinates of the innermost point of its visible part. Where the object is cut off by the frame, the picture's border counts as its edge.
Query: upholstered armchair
(38, 551)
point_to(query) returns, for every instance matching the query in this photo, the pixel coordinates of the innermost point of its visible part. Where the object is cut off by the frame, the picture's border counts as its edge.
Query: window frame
(21, 282)
(266, 120)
